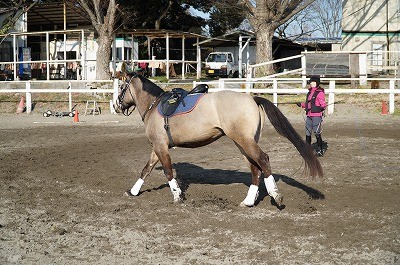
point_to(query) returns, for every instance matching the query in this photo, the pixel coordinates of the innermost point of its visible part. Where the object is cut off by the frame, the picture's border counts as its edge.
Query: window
(230, 58)
(128, 54)
(377, 54)
(119, 53)
(5, 52)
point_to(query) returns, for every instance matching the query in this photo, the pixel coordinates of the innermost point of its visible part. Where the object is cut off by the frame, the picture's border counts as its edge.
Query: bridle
(124, 89)
(126, 112)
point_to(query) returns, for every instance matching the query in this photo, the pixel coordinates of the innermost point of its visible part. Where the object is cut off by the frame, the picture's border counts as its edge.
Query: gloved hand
(298, 104)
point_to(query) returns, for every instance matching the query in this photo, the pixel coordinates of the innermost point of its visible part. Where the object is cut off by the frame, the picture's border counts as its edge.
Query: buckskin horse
(236, 115)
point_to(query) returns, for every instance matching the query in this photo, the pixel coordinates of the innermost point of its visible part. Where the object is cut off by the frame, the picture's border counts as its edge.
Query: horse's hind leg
(259, 160)
(145, 172)
(252, 194)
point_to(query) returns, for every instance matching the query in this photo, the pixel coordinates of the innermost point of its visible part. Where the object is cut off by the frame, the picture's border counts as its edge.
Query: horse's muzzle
(117, 107)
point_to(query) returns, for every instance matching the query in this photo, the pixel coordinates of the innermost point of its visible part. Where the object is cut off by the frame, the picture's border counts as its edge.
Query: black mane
(150, 87)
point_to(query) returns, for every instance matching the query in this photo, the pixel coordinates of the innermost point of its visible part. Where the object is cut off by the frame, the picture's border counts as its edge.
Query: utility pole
(387, 34)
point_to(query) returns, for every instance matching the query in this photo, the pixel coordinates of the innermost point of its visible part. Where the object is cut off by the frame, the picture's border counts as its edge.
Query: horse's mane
(150, 87)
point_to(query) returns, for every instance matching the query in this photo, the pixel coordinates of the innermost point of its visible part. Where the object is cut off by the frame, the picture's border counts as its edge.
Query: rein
(154, 103)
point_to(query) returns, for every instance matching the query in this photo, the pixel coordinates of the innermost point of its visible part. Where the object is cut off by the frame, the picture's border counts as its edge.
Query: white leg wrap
(251, 197)
(270, 184)
(176, 191)
(136, 188)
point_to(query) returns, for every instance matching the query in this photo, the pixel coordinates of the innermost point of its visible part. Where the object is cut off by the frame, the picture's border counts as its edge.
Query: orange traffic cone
(76, 116)
(384, 108)
(21, 106)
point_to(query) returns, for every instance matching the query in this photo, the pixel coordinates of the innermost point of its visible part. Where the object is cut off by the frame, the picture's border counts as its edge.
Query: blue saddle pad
(190, 101)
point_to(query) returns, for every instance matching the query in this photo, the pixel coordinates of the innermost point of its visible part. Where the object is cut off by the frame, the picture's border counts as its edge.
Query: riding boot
(320, 151)
(308, 139)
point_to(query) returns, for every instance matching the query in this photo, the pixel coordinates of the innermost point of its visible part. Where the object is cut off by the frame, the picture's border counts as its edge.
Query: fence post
(69, 96)
(248, 86)
(28, 97)
(115, 95)
(391, 95)
(249, 76)
(221, 84)
(331, 100)
(304, 70)
(275, 92)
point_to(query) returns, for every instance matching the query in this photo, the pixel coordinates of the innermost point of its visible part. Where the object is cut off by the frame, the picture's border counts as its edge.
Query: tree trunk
(103, 57)
(264, 51)
(102, 15)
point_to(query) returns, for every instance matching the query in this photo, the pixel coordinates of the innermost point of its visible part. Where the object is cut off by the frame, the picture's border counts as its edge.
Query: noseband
(121, 96)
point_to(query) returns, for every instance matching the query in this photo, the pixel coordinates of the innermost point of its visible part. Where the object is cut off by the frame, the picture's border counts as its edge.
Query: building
(373, 27)
(53, 41)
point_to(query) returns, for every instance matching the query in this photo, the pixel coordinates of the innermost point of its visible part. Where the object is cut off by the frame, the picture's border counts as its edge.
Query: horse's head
(126, 99)
(135, 90)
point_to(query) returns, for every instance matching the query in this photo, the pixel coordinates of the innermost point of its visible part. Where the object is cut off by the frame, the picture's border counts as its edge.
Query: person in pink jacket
(314, 106)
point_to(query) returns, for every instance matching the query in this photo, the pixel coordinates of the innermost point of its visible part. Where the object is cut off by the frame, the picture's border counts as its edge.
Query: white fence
(67, 86)
(273, 86)
(276, 86)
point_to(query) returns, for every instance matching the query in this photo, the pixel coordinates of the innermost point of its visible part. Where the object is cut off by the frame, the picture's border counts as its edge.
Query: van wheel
(230, 75)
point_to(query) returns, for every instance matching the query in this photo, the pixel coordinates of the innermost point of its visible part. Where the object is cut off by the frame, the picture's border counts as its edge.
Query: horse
(236, 115)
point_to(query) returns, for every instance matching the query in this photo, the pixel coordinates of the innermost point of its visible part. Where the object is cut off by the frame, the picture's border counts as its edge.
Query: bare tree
(266, 16)
(298, 26)
(102, 14)
(164, 13)
(327, 17)
(17, 8)
(320, 19)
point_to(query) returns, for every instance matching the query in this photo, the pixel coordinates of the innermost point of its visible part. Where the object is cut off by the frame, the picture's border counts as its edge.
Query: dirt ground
(62, 196)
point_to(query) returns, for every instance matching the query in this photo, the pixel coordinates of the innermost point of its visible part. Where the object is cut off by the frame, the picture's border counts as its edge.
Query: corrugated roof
(159, 33)
(51, 16)
(228, 39)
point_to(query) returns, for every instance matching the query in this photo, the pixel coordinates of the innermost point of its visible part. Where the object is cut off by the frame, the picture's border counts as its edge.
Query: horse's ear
(123, 67)
(127, 72)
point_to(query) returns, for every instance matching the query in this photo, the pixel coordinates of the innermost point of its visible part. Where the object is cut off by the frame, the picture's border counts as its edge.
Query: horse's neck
(145, 97)
(145, 101)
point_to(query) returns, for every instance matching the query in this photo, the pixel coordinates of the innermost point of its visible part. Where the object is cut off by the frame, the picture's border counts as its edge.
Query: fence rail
(245, 86)
(273, 86)
(28, 90)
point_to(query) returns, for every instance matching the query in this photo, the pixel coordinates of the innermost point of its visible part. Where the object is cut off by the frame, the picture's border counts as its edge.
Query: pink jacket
(319, 102)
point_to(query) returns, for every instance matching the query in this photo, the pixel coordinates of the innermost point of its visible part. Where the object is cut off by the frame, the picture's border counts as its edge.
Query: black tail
(284, 128)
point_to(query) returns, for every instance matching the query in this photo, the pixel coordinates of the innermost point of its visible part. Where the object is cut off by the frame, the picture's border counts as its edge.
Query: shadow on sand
(188, 174)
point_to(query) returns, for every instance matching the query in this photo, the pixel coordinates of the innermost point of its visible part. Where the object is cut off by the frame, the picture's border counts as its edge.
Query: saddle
(170, 100)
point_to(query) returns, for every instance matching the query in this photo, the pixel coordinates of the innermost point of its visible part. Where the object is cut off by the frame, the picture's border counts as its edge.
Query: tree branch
(89, 11)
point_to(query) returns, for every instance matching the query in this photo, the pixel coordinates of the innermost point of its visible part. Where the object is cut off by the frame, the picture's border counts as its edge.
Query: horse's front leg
(165, 160)
(145, 172)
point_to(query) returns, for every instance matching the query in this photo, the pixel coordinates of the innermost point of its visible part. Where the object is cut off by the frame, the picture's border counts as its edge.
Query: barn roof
(50, 16)
(229, 39)
(159, 33)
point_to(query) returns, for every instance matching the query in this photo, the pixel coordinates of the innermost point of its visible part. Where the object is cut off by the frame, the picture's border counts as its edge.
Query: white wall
(364, 24)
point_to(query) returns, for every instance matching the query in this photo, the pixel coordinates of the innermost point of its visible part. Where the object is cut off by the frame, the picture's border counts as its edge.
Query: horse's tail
(284, 128)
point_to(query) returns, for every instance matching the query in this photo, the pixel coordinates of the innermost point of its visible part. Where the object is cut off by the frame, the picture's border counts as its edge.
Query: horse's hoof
(279, 199)
(128, 193)
(244, 204)
(178, 200)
